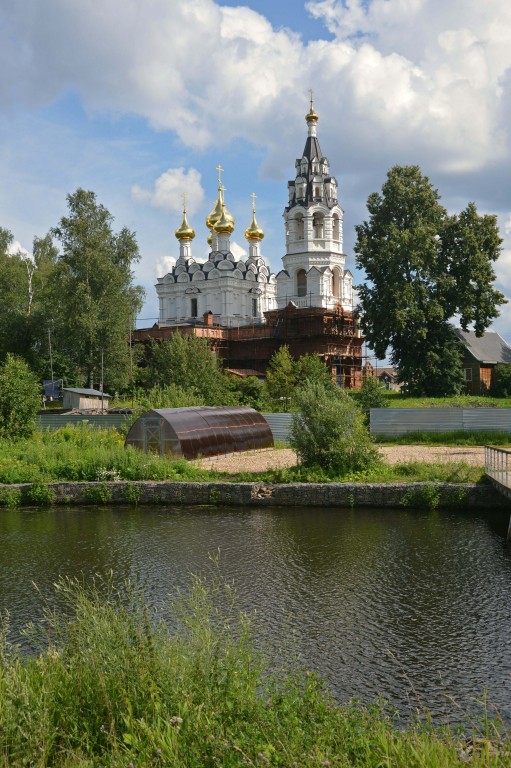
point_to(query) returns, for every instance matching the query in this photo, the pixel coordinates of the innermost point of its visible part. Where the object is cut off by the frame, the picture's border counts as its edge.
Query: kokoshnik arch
(246, 311)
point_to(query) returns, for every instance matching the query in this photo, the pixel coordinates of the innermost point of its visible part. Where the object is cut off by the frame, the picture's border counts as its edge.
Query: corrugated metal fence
(400, 421)
(280, 424)
(57, 421)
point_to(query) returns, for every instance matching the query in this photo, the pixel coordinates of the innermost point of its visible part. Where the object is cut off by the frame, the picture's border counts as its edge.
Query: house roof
(86, 392)
(490, 348)
(379, 372)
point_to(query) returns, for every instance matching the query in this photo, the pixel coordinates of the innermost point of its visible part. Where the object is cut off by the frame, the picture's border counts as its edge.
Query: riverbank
(116, 687)
(341, 495)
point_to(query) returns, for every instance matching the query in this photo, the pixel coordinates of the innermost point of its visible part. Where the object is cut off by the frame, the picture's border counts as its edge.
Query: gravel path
(271, 458)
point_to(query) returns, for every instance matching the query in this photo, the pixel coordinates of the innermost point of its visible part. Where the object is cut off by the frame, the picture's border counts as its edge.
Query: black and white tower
(314, 273)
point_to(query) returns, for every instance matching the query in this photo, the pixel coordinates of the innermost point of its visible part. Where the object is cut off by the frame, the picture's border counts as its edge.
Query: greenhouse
(200, 431)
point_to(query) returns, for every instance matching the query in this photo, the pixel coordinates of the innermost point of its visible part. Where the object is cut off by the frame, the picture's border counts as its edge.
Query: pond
(414, 606)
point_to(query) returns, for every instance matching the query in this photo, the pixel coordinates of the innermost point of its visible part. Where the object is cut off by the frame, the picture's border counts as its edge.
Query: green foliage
(312, 369)
(99, 493)
(425, 497)
(424, 267)
(91, 294)
(19, 399)
(501, 380)
(249, 391)
(329, 431)
(117, 687)
(10, 497)
(370, 395)
(188, 364)
(40, 494)
(446, 438)
(281, 378)
(402, 400)
(169, 396)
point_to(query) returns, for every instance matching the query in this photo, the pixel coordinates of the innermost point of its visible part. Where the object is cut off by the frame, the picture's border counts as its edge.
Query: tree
(91, 297)
(281, 378)
(189, 363)
(424, 267)
(370, 395)
(329, 431)
(19, 398)
(312, 368)
(501, 380)
(16, 293)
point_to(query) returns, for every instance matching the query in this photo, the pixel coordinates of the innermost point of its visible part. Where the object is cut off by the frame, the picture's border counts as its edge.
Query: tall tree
(281, 378)
(424, 267)
(188, 362)
(93, 299)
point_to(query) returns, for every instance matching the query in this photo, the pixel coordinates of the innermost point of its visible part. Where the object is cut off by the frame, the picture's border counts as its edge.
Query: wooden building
(480, 357)
(85, 399)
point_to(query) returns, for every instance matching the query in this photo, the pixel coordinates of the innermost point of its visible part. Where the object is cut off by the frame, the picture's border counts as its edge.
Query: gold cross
(219, 169)
(184, 202)
(253, 196)
(312, 94)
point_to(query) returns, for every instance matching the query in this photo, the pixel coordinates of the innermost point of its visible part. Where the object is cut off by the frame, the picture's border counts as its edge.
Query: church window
(299, 228)
(194, 308)
(336, 229)
(317, 192)
(301, 283)
(318, 223)
(254, 307)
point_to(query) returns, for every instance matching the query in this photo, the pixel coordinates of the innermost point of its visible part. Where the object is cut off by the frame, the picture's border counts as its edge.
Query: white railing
(497, 464)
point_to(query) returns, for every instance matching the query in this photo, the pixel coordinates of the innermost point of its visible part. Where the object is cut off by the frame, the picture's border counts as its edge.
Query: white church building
(235, 293)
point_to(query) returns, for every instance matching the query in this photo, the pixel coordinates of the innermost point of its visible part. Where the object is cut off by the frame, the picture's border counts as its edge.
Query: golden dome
(185, 231)
(210, 240)
(311, 116)
(216, 213)
(225, 224)
(254, 231)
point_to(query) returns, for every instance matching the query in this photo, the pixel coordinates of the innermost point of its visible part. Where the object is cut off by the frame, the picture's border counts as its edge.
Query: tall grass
(115, 686)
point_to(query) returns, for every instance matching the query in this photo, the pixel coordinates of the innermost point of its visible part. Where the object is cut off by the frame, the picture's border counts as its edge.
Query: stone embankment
(342, 495)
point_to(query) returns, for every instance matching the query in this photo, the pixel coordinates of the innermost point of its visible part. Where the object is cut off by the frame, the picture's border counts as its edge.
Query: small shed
(85, 399)
(200, 431)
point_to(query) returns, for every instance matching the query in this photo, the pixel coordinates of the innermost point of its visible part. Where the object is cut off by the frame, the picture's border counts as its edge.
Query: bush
(371, 395)
(501, 380)
(19, 399)
(329, 431)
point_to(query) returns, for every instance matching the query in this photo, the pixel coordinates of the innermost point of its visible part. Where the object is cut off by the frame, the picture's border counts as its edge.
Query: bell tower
(314, 274)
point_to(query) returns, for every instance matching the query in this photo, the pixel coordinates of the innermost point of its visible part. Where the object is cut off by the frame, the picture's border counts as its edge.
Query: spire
(254, 231)
(312, 117)
(215, 214)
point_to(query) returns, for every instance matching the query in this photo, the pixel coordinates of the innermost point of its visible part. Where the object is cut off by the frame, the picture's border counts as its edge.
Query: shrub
(19, 399)
(329, 431)
(371, 395)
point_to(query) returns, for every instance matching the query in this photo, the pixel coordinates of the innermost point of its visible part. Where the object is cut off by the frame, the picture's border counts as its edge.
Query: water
(412, 606)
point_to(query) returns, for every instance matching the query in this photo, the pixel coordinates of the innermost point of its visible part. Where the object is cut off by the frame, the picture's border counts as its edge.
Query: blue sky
(139, 100)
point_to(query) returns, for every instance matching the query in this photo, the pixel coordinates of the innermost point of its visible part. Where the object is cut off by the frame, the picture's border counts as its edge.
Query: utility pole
(51, 362)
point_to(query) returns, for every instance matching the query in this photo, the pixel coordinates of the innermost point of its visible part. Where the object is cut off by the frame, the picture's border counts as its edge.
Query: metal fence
(497, 464)
(399, 421)
(280, 425)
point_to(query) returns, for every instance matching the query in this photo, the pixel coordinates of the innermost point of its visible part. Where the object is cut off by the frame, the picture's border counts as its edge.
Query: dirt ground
(271, 458)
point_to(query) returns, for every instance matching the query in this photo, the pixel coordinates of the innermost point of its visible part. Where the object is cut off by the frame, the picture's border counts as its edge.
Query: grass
(115, 686)
(81, 453)
(397, 400)
(446, 438)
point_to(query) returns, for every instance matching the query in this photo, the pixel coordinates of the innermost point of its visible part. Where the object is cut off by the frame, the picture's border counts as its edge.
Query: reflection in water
(413, 606)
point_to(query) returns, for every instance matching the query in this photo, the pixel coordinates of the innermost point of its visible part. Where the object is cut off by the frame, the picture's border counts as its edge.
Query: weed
(10, 497)
(424, 497)
(97, 493)
(40, 494)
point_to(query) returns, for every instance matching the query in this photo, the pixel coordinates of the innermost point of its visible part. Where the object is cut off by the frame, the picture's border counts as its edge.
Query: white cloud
(238, 251)
(15, 248)
(168, 189)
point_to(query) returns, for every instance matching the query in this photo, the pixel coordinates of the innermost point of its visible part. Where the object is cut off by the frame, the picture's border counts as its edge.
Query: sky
(140, 100)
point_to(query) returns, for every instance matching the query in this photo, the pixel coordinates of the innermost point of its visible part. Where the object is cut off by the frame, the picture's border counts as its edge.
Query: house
(480, 357)
(85, 399)
(388, 378)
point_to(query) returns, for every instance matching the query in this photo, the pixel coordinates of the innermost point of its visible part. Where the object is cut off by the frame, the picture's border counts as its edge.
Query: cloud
(16, 249)
(168, 189)
(414, 76)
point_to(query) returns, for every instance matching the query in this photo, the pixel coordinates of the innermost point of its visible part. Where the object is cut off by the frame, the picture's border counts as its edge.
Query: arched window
(336, 283)
(194, 308)
(318, 224)
(301, 283)
(336, 228)
(299, 228)
(317, 192)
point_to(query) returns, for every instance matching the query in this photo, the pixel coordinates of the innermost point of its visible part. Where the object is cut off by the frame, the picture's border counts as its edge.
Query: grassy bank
(397, 400)
(80, 453)
(116, 687)
(446, 438)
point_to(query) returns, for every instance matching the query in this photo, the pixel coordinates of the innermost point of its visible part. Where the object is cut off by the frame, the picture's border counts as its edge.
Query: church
(246, 311)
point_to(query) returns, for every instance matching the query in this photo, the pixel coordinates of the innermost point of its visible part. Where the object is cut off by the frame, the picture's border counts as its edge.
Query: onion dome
(210, 239)
(216, 213)
(185, 231)
(225, 224)
(311, 116)
(254, 231)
